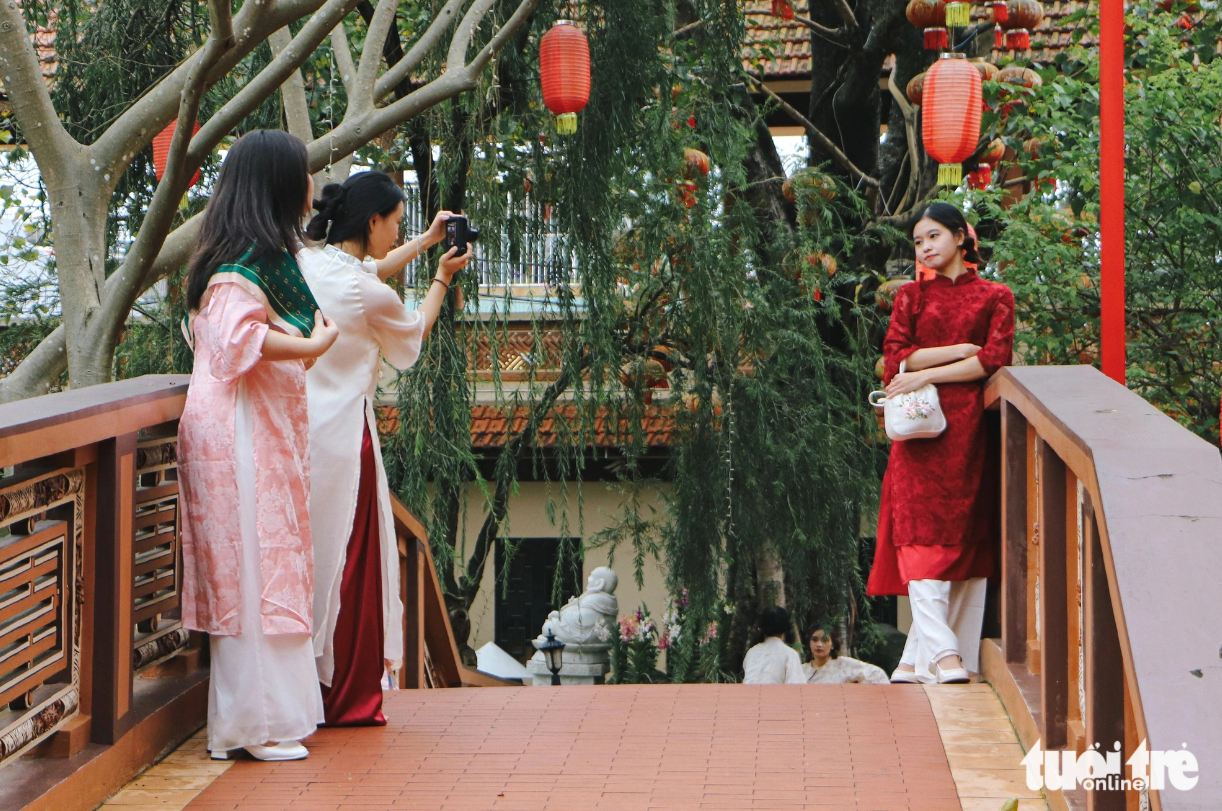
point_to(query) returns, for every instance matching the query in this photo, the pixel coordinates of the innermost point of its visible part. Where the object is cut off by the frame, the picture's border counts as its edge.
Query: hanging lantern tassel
(950, 122)
(564, 67)
(958, 15)
(1019, 39)
(936, 39)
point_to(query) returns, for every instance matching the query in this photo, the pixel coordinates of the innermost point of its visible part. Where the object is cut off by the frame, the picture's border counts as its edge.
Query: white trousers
(947, 617)
(263, 687)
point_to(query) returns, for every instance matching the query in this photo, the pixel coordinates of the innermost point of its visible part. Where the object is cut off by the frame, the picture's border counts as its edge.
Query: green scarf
(279, 279)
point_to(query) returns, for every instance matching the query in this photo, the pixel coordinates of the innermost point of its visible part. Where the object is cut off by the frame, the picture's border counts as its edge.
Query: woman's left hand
(437, 230)
(906, 382)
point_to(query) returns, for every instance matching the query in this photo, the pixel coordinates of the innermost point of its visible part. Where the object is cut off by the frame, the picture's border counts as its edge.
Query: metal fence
(540, 259)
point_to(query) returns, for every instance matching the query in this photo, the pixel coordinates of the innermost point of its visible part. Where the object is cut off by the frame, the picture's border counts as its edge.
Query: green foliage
(1048, 249)
(634, 651)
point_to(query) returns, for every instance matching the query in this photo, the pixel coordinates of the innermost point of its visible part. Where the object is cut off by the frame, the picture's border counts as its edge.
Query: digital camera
(460, 234)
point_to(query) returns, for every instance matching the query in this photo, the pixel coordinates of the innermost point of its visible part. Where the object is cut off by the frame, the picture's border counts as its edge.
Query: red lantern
(564, 65)
(1000, 13)
(161, 150)
(1022, 17)
(916, 86)
(950, 124)
(782, 9)
(981, 178)
(930, 17)
(695, 161)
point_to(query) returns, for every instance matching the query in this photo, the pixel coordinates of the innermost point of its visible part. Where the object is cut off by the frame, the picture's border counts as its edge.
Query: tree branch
(135, 128)
(914, 158)
(814, 132)
(402, 70)
(847, 14)
(360, 97)
(180, 164)
(834, 34)
(457, 57)
(29, 96)
(292, 92)
(39, 370)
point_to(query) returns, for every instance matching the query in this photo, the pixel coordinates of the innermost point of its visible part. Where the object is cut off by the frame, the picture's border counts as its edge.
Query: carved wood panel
(41, 594)
(157, 548)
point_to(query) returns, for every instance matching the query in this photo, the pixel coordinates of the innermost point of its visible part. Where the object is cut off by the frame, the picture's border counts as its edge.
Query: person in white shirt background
(774, 661)
(358, 616)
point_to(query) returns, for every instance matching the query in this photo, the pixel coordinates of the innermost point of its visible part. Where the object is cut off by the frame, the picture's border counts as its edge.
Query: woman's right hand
(450, 264)
(324, 334)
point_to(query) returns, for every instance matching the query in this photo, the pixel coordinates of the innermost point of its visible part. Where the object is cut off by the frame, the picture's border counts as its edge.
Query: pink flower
(627, 628)
(710, 633)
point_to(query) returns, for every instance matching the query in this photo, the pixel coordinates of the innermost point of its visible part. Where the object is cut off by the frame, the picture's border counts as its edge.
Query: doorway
(525, 580)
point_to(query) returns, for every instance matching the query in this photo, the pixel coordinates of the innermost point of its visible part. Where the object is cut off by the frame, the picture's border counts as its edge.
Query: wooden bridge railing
(1111, 599)
(95, 665)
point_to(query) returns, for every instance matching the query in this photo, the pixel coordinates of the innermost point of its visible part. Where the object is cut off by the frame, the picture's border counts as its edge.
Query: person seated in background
(827, 666)
(773, 661)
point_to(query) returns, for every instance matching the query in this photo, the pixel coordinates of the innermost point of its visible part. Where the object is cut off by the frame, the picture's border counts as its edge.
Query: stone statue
(585, 625)
(589, 619)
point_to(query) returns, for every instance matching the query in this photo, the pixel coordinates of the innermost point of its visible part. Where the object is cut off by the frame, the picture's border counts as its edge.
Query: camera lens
(472, 234)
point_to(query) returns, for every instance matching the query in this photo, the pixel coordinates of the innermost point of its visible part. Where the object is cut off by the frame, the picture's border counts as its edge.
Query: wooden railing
(94, 662)
(1111, 598)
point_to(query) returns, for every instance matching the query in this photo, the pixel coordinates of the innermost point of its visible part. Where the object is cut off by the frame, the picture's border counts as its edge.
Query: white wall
(528, 518)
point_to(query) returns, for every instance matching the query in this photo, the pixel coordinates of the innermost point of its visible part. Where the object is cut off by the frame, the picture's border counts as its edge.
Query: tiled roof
(489, 424)
(790, 42)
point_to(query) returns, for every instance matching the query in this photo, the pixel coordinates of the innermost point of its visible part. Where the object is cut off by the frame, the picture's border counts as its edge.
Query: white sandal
(904, 677)
(285, 750)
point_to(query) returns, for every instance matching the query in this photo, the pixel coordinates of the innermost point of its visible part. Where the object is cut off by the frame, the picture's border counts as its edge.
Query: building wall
(528, 518)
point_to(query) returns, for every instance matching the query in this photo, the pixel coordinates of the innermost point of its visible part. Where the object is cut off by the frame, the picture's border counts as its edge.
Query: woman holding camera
(358, 627)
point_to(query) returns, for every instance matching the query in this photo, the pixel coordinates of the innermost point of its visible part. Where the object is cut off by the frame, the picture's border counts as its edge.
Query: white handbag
(915, 415)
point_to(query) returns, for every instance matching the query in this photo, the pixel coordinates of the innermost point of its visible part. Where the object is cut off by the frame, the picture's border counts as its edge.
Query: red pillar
(1111, 183)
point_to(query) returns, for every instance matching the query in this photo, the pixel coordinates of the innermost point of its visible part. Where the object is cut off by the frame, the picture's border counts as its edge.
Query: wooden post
(413, 573)
(1111, 187)
(1104, 664)
(1054, 615)
(1014, 533)
(113, 562)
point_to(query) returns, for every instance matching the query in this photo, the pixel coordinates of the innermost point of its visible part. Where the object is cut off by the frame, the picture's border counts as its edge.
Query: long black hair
(345, 210)
(951, 217)
(258, 201)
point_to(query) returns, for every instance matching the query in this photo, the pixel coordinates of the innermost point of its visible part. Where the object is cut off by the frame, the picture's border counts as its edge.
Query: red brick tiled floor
(861, 747)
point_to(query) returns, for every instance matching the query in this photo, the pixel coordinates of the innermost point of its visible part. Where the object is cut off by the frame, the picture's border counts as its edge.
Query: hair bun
(329, 208)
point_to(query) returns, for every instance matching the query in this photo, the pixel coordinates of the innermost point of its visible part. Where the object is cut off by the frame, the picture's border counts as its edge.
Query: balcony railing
(1111, 607)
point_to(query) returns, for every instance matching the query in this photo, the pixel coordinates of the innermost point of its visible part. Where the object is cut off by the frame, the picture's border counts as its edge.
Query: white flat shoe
(904, 677)
(956, 675)
(285, 750)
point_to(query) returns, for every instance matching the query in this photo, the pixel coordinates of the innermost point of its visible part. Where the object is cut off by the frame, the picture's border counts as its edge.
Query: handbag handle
(870, 397)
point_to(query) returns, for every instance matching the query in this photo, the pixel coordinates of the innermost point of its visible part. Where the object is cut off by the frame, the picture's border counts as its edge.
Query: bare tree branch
(683, 31)
(847, 14)
(343, 60)
(834, 34)
(292, 92)
(457, 57)
(360, 97)
(28, 94)
(38, 371)
(914, 158)
(498, 40)
(813, 132)
(256, 91)
(402, 70)
(135, 128)
(179, 167)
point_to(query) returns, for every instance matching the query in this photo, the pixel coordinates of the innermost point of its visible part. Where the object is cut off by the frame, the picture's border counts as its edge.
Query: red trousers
(355, 695)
